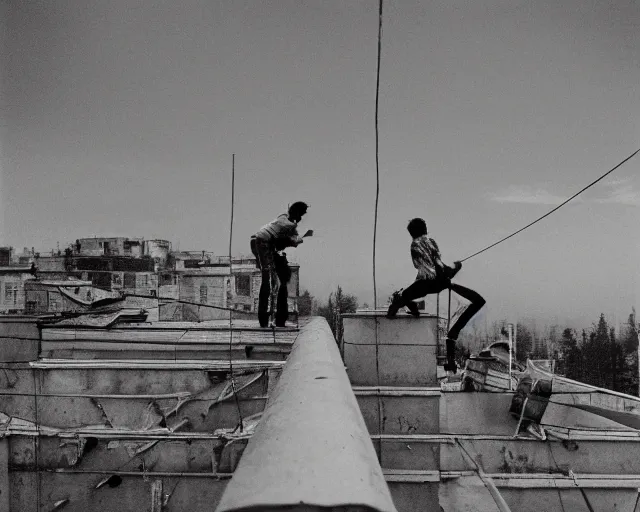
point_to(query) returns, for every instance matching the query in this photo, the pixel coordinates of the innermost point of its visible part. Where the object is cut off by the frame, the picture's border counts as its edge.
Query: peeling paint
(516, 464)
(406, 426)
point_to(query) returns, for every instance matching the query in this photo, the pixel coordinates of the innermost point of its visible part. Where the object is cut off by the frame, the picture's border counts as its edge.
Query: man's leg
(416, 290)
(476, 304)
(264, 255)
(283, 273)
(263, 298)
(254, 250)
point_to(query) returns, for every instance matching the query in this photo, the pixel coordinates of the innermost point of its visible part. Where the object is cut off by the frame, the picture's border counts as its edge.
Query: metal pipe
(311, 448)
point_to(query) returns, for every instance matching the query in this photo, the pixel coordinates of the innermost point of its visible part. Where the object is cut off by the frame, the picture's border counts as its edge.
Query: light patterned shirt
(426, 257)
(281, 231)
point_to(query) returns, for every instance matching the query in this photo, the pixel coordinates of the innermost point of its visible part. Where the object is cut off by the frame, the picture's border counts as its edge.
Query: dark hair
(417, 227)
(298, 209)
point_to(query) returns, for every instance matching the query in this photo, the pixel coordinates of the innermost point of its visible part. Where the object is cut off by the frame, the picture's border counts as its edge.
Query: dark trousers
(275, 276)
(423, 287)
(283, 273)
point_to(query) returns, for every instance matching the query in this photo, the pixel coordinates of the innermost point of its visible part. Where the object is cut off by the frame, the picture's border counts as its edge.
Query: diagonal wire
(556, 208)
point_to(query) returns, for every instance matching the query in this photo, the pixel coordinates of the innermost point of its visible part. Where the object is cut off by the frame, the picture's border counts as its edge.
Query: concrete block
(398, 365)
(18, 350)
(407, 365)
(360, 329)
(360, 361)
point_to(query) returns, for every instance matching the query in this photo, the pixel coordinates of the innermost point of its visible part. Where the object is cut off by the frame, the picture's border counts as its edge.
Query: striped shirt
(426, 257)
(281, 231)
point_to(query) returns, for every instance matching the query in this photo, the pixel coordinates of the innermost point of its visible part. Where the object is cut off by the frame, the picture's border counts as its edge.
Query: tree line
(601, 356)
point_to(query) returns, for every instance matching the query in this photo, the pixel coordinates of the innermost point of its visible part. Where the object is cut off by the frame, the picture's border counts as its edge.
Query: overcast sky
(121, 117)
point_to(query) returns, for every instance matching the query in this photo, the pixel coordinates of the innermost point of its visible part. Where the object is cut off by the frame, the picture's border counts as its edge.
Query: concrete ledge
(396, 391)
(404, 475)
(360, 329)
(311, 448)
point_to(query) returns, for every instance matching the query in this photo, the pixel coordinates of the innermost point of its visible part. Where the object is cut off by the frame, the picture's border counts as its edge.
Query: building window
(11, 293)
(243, 285)
(129, 280)
(54, 303)
(203, 293)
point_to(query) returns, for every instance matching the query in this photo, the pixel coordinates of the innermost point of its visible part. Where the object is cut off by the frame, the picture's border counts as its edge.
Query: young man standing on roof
(266, 245)
(433, 277)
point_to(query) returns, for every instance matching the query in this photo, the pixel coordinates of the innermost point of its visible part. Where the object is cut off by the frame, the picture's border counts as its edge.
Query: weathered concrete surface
(415, 496)
(567, 499)
(477, 413)
(518, 456)
(312, 448)
(96, 454)
(408, 452)
(359, 329)
(195, 493)
(19, 338)
(467, 494)
(135, 395)
(404, 410)
(405, 354)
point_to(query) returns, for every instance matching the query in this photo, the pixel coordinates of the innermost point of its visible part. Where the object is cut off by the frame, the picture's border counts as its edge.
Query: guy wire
(556, 208)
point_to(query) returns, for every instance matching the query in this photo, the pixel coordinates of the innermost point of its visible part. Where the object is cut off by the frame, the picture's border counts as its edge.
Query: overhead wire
(554, 209)
(233, 380)
(375, 215)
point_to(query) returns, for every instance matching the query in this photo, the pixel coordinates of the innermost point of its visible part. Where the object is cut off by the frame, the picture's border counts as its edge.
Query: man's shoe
(263, 319)
(451, 367)
(413, 309)
(396, 304)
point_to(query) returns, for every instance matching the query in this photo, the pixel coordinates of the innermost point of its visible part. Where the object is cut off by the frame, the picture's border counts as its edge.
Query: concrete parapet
(312, 448)
(383, 352)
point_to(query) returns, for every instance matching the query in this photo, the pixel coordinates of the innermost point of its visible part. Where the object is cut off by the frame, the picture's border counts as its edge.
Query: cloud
(621, 191)
(622, 195)
(528, 195)
(613, 191)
